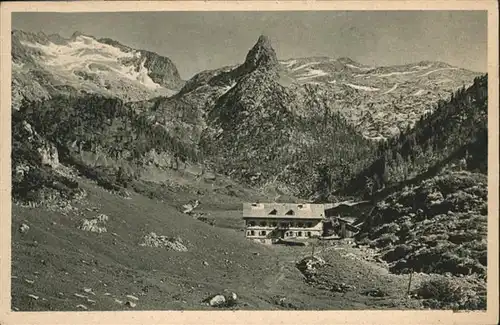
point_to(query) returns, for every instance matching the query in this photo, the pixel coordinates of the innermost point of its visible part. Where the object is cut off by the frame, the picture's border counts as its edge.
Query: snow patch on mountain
(394, 73)
(305, 65)
(288, 63)
(419, 92)
(312, 73)
(359, 68)
(391, 90)
(143, 77)
(85, 54)
(442, 81)
(228, 88)
(366, 88)
(441, 69)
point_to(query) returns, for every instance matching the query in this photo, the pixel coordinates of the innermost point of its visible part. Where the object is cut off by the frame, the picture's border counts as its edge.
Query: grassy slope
(69, 259)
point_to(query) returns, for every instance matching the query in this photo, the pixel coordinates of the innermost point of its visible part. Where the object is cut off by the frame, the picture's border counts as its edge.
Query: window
(290, 213)
(300, 206)
(263, 223)
(274, 224)
(262, 233)
(251, 223)
(308, 234)
(300, 225)
(299, 234)
(309, 224)
(252, 233)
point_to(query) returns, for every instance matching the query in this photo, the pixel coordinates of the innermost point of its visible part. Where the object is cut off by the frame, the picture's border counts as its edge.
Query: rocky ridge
(380, 101)
(47, 65)
(246, 121)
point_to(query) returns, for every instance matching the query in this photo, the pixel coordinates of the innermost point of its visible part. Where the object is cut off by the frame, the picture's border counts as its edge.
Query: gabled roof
(352, 227)
(344, 203)
(283, 210)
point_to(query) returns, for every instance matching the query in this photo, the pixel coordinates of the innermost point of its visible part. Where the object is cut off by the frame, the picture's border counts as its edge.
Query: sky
(197, 41)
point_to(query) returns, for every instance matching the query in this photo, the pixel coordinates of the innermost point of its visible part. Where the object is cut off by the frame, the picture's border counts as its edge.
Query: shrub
(444, 293)
(443, 225)
(386, 239)
(397, 253)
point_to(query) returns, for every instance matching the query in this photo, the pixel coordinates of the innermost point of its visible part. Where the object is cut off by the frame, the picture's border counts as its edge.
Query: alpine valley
(100, 126)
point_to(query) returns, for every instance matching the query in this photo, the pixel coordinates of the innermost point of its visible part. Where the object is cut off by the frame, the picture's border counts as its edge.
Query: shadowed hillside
(456, 133)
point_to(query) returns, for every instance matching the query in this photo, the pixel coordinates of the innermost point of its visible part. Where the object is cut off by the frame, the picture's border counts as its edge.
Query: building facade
(269, 222)
(343, 218)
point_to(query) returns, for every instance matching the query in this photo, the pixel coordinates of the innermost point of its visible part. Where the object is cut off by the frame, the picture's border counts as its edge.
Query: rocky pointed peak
(262, 54)
(263, 41)
(78, 34)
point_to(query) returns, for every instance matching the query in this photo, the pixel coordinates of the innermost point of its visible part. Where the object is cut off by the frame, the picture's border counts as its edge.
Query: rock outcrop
(154, 240)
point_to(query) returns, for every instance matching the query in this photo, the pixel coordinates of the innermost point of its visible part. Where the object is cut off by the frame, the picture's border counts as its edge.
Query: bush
(443, 230)
(397, 253)
(388, 228)
(444, 293)
(386, 239)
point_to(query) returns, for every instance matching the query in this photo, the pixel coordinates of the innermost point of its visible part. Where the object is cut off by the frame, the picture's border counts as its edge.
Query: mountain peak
(78, 33)
(346, 60)
(262, 54)
(264, 40)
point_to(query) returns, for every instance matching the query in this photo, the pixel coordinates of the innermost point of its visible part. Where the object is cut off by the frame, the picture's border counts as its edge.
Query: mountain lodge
(273, 222)
(269, 222)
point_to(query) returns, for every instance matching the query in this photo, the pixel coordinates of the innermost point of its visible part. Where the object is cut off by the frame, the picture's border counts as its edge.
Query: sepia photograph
(253, 160)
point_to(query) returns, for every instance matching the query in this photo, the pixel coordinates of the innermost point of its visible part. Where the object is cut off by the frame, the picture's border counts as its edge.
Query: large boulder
(97, 224)
(220, 300)
(217, 301)
(48, 155)
(154, 240)
(310, 264)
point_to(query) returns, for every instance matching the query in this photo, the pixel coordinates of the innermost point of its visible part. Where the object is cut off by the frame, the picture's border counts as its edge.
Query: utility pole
(409, 283)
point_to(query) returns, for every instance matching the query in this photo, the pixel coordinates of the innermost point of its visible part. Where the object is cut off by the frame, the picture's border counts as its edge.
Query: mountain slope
(381, 101)
(436, 226)
(244, 121)
(256, 133)
(455, 133)
(99, 270)
(430, 186)
(46, 65)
